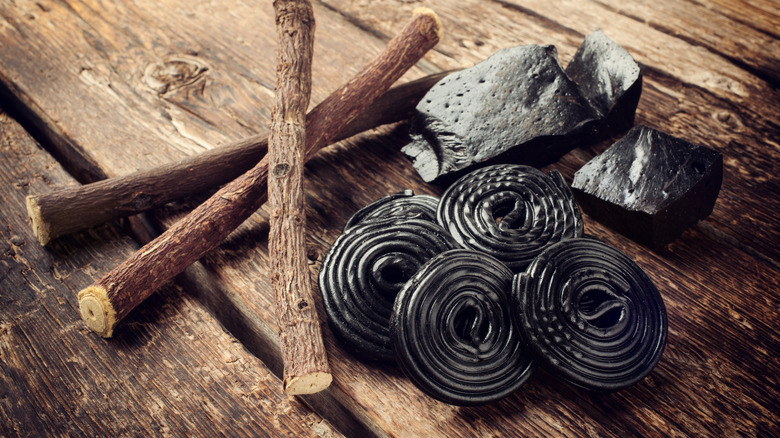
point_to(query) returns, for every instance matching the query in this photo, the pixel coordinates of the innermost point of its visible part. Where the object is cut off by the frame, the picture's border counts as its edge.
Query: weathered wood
(62, 211)
(306, 369)
(217, 81)
(115, 294)
(172, 372)
(698, 24)
(644, 410)
(721, 311)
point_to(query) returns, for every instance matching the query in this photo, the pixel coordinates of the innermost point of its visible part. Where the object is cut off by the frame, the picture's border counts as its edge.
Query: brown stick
(112, 297)
(72, 209)
(306, 368)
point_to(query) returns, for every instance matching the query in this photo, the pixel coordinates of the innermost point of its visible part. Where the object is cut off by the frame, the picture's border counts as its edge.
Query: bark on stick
(113, 296)
(70, 209)
(305, 362)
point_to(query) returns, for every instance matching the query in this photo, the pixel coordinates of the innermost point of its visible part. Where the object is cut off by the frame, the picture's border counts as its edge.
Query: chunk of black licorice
(610, 79)
(590, 315)
(518, 104)
(650, 186)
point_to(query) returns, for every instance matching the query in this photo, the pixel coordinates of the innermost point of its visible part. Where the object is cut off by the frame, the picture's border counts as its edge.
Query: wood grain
(114, 295)
(710, 78)
(61, 211)
(172, 361)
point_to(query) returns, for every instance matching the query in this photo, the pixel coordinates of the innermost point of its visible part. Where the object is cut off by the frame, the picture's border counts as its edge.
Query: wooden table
(95, 88)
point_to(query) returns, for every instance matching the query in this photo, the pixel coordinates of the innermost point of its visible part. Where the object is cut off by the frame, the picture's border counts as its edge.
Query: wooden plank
(170, 87)
(746, 11)
(702, 25)
(564, 23)
(172, 371)
(696, 387)
(93, 49)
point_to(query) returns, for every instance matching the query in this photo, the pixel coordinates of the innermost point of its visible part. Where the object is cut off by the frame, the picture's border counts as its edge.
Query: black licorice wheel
(364, 270)
(454, 332)
(510, 212)
(398, 205)
(591, 315)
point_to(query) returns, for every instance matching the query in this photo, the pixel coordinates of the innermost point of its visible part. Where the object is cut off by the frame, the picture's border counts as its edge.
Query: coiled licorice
(364, 270)
(510, 212)
(398, 205)
(453, 330)
(591, 315)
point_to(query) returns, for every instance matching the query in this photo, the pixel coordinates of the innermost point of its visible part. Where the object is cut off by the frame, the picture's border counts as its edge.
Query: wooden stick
(305, 362)
(113, 296)
(70, 209)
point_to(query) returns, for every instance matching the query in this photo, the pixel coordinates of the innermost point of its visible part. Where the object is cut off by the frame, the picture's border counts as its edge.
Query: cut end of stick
(97, 311)
(39, 226)
(307, 384)
(435, 28)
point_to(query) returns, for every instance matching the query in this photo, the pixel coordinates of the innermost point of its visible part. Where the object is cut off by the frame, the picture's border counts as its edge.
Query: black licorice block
(610, 79)
(520, 106)
(519, 99)
(650, 186)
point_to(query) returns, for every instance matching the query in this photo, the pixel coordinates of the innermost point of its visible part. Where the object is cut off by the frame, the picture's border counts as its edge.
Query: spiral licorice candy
(398, 205)
(364, 270)
(510, 212)
(591, 315)
(454, 333)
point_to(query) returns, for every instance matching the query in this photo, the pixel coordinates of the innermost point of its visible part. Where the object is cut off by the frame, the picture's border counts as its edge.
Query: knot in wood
(142, 201)
(281, 170)
(174, 72)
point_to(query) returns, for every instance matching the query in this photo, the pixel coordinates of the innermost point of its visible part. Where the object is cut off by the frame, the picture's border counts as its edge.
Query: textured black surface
(520, 106)
(363, 272)
(519, 96)
(454, 331)
(398, 205)
(591, 315)
(650, 186)
(510, 211)
(609, 78)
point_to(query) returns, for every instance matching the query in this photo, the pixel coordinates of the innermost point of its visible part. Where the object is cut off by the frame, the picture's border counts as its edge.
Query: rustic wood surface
(171, 371)
(109, 87)
(59, 212)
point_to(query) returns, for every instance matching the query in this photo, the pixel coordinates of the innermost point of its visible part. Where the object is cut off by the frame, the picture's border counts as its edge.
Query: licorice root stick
(113, 296)
(70, 209)
(305, 362)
